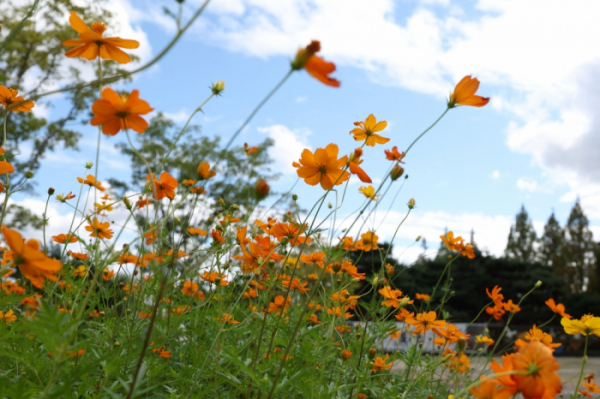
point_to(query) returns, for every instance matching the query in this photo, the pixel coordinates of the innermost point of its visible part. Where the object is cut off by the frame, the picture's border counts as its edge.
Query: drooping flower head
(464, 94)
(316, 67)
(367, 131)
(91, 43)
(116, 112)
(540, 378)
(323, 167)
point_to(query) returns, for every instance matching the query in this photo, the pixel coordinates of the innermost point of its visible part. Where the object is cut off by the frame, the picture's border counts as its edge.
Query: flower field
(220, 297)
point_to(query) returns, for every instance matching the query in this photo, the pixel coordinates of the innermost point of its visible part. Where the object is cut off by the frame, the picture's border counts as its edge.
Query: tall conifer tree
(521, 239)
(579, 251)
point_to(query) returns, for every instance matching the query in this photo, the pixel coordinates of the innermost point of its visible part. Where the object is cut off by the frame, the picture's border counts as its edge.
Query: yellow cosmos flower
(587, 325)
(369, 192)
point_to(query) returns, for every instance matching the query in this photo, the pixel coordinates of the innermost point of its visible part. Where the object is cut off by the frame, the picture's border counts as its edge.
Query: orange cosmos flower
(404, 315)
(379, 363)
(78, 255)
(339, 311)
(217, 237)
(425, 322)
(204, 172)
(511, 307)
(423, 297)
(116, 112)
(189, 182)
(214, 277)
(11, 100)
(367, 242)
(63, 238)
(30, 260)
(165, 187)
(90, 181)
(91, 43)
(99, 229)
(394, 154)
(394, 297)
(196, 231)
(8, 317)
(453, 244)
(5, 167)
(279, 303)
(317, 258)
(559, 309)
(367, 131)
(290, 231)
(483, 339)
(250, 150)
(190, 288)
(357, 170)
(464, 94)
(489, 389)
(540, 379)
(322, 167)
(295, 284)
(535, 334)
(316, 67)
(227, 318)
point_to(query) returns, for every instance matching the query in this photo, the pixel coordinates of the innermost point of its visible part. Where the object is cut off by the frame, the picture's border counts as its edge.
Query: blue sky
(534, 144)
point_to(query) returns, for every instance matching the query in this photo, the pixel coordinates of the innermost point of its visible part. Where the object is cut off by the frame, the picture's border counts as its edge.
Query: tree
(552, 245)
(36, 56)
(521, 239)
(578, 252)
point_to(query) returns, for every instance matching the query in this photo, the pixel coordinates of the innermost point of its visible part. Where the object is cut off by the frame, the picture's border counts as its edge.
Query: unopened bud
(304, 55)
(29, 174)
(411, 203)
(538, 284)
(127, 203)
(461, 344)
(51, 191)
(284, 241)
(222, 202)
(418, 239)
(397, 172)
(295, 197)
(372, 353)
(218, 87)
(88, 165)
(117, 344)
(262, 189)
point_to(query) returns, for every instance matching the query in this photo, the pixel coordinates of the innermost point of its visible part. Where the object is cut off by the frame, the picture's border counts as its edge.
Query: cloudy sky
(536, 143)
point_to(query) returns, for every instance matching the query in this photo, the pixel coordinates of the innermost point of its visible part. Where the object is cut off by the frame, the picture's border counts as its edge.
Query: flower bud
(51, 191)
(88, 165)
(262, 189)
(29, 174)
(346, 354)
(304, 55)
(372, 353)
(538, 284)
(411, 203)
(222, 202)
(218, 87)
(295, 197)
(117, 344)
(418, 238)
(127, 203)
(396, 172)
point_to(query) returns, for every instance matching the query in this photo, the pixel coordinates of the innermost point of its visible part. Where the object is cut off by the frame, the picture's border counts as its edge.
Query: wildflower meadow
(216, 294)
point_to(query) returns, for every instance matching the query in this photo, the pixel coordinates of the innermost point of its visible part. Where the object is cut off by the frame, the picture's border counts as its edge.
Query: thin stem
(19, 26)
(426, 130)
(583, 362)
(44, 226)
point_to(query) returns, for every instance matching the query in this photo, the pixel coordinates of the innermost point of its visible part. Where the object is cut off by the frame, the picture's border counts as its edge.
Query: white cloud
(301, 99)
(526, 184)
(495, 175)
(548, 78)
(288, 146)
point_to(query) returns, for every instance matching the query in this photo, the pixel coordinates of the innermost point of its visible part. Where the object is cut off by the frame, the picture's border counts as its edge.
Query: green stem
(583, 362)
(426, 130)
(44, 226)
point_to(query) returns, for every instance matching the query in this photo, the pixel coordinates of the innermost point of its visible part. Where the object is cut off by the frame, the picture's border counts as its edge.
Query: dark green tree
(521, 239)
(578, 252)
(36, 56)
(552, 246)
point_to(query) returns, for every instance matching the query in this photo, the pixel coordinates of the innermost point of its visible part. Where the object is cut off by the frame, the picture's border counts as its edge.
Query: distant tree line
(566, 260)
